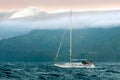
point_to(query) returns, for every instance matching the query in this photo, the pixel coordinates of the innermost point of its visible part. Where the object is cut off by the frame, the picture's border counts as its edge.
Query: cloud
(88, 19)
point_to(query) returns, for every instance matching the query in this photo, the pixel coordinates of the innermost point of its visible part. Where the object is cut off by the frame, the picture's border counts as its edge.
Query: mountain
(97, 44)
(17, 22)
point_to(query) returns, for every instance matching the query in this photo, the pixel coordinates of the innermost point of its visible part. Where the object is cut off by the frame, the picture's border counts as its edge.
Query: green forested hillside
(96, 44)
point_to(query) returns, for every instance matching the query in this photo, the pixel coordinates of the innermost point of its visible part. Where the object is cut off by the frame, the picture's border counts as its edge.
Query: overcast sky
(53, 5)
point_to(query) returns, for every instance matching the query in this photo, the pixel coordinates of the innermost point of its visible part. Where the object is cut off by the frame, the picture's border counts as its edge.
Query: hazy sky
(61, 4)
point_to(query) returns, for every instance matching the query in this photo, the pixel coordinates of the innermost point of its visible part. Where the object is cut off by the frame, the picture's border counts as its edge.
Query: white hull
(74, 65)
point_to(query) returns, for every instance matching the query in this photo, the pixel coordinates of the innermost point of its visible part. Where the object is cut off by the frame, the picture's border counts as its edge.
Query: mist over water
(11, 27)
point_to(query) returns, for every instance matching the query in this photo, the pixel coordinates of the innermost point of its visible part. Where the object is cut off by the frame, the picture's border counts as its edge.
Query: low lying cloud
(90, 19)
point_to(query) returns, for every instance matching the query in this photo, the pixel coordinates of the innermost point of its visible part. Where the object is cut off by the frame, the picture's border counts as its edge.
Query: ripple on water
(46, 71)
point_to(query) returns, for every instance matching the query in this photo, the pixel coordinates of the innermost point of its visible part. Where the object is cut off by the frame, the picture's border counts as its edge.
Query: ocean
(47, 71)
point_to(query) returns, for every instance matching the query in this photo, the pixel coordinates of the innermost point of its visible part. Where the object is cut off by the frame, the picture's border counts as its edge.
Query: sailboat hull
(74, 65)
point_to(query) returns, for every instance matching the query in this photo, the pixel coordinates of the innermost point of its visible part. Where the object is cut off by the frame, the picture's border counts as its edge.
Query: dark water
(46, 71)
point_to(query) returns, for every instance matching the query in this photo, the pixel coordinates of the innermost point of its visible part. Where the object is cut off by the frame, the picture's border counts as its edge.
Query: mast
(70, 36)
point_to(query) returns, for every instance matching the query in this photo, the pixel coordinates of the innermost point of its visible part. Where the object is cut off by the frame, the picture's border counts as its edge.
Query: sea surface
(47, 71)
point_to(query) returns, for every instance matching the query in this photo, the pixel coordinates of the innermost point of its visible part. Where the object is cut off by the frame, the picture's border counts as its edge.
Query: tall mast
(70, 36)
